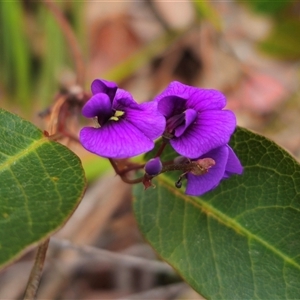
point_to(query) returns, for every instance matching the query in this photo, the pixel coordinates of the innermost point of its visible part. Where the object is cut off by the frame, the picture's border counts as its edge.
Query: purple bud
(153, 166)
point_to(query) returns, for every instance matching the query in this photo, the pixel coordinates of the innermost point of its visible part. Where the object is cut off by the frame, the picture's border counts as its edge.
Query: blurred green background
(35, 60)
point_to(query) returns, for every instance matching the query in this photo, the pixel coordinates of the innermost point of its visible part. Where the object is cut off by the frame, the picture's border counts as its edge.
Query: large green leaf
(42, 183)
(240, 241)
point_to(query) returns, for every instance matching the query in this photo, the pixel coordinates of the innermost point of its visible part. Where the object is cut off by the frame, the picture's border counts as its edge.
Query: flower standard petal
(98, 106)
(104, 86)
(196, 98)
(124, 100)
(175, 88)
(116, 139)
(171, 105)
(205, 99)
(211, 129)
(198, 185)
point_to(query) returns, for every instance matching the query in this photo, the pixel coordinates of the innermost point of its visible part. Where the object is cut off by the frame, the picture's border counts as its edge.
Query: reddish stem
(122, 173)
(161, 149)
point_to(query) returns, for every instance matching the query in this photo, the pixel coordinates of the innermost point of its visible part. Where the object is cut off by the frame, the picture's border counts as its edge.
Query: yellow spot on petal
(119, 113)
(114, 118)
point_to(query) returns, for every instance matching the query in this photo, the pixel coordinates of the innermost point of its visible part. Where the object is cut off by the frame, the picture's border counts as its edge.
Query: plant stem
(161, 149)
(122, 174)
(70, 37)
(36, 272)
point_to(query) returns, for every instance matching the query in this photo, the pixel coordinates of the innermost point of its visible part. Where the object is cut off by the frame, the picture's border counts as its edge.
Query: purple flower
(226, 164)
(125, 128)
(196, 122)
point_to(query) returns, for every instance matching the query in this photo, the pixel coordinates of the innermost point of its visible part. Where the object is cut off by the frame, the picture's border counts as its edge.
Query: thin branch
(70, 37)
(36, 272)
(122, 174)
(114, 258)
(131, 168)
(161, 149)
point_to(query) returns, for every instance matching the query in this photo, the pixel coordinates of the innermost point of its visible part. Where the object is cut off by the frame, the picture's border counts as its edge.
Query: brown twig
(70, 37)
(131, 168)
(113, 257)
(123, 173)
(36, 272)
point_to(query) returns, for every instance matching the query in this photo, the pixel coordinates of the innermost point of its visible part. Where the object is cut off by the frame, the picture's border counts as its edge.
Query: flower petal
(98, 106)
(147, 119)
(171, 105)
(198, 185)
(190, 117)
(233, 165)
(198, 99)
(211, 130)
(205, 99)
(116, 139)
(175, 88)
(124, 100)
(143, 116)
(104, 86)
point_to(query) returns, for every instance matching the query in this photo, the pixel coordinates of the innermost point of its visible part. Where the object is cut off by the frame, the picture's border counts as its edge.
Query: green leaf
(42, 183)
(240, 241)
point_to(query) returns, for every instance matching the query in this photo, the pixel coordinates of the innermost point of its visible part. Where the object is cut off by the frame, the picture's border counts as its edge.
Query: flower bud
(153, 167)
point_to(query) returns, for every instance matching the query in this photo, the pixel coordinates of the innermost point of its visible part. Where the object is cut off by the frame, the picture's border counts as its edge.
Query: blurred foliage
(141, 57)
(14, 52)
(267, 6)
(284, 40)
(33, 52)
(205, 10)
(35, 59)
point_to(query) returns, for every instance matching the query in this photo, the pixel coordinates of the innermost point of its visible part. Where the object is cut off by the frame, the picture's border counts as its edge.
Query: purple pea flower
(226, 165)
(196, 122)
(125, 128)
